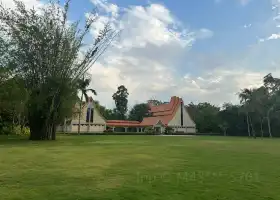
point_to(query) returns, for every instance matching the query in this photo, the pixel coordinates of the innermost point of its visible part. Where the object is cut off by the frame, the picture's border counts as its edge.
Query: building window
(89, 115)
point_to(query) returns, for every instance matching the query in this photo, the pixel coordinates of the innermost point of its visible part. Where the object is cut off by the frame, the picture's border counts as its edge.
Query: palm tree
(83, 84)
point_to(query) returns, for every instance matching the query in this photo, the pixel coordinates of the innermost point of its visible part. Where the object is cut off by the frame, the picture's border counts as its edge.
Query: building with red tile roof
(172, 114)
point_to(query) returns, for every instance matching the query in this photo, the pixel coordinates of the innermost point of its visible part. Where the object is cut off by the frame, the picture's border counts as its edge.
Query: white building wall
(97, 126)
(97, 118)
(188, 123)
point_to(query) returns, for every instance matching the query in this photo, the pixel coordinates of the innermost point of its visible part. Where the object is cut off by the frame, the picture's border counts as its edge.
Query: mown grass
(140, 168)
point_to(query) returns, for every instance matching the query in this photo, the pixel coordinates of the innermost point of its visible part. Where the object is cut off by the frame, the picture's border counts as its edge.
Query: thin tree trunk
(253, 130)
(268, 122)
(248, 125)
(80, 113)
(89, 119)
(53, 135)
(262, 127)
(268, 125)
(64, 129)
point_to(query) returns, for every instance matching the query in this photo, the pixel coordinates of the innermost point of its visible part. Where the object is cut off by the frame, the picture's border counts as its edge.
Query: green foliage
(149, 130)
(108, 114)
(120, 98)
(83, 88)
(9, 129)
(44, 49)
(168, 130)
(205, 116)
(155, 102)
(257, 115)
(138, 112)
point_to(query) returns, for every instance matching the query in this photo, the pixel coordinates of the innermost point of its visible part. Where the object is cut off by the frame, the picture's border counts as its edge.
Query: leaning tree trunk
(248, 125)
(80, 113)
(268, 123)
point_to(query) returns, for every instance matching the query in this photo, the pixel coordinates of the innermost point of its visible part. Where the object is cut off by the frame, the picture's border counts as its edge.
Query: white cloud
(150, 51)
(273, 23)
(204, 33)
(247, 25)
(144, 57)
(112, 9)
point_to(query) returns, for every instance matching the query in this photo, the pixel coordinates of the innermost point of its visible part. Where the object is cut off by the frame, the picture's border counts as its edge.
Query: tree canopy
(45, 49)
(120, 98)
(139, 111)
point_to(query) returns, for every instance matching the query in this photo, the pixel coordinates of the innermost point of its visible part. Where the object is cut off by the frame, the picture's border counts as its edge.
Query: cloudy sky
(199, 50)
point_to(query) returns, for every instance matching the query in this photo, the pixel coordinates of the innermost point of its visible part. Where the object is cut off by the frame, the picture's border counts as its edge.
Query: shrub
(8, 129)
(168, 131)
(109, 130)
(149, 130)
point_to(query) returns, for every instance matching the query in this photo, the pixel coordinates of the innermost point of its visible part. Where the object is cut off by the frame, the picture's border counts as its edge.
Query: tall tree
(273, 101)
(46, 52)
(231, 118)
(259, 103)
(139, 111)
(245, 99)
(120, 98)
(83, 87)
(205, 116)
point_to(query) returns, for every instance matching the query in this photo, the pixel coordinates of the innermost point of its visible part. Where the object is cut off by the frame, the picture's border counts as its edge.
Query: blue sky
(199, 50)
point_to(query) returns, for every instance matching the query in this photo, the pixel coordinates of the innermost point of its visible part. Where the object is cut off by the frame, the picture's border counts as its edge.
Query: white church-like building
(173, 114)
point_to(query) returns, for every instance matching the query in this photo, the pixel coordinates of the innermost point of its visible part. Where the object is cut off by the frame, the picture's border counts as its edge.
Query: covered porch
(124, 126)
(133, 126)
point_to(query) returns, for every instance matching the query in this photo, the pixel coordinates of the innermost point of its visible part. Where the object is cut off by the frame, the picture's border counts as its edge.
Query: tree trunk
(268, 122)
(36, 124)
(80, 113)
(36, 133)
(262, 127)
(248, 125)
(53, 132)
(64, 128)
(253, 130)
(269, 127)
(89, 118)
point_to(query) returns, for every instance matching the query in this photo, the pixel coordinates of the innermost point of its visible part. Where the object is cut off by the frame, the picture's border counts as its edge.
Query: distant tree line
(257, 115)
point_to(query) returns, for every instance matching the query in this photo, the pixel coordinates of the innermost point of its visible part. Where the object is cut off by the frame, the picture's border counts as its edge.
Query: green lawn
(140, 167)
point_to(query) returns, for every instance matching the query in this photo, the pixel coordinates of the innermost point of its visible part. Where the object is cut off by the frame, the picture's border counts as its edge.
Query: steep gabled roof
(163, 112)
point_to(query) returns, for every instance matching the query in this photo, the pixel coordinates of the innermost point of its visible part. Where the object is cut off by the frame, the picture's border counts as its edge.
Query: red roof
(122, 123)
(163, 112)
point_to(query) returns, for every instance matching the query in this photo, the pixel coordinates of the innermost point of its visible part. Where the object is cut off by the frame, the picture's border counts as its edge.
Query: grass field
(140, 167)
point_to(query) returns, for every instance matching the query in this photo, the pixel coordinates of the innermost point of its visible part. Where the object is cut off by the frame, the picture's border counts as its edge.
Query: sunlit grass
(140, 167)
